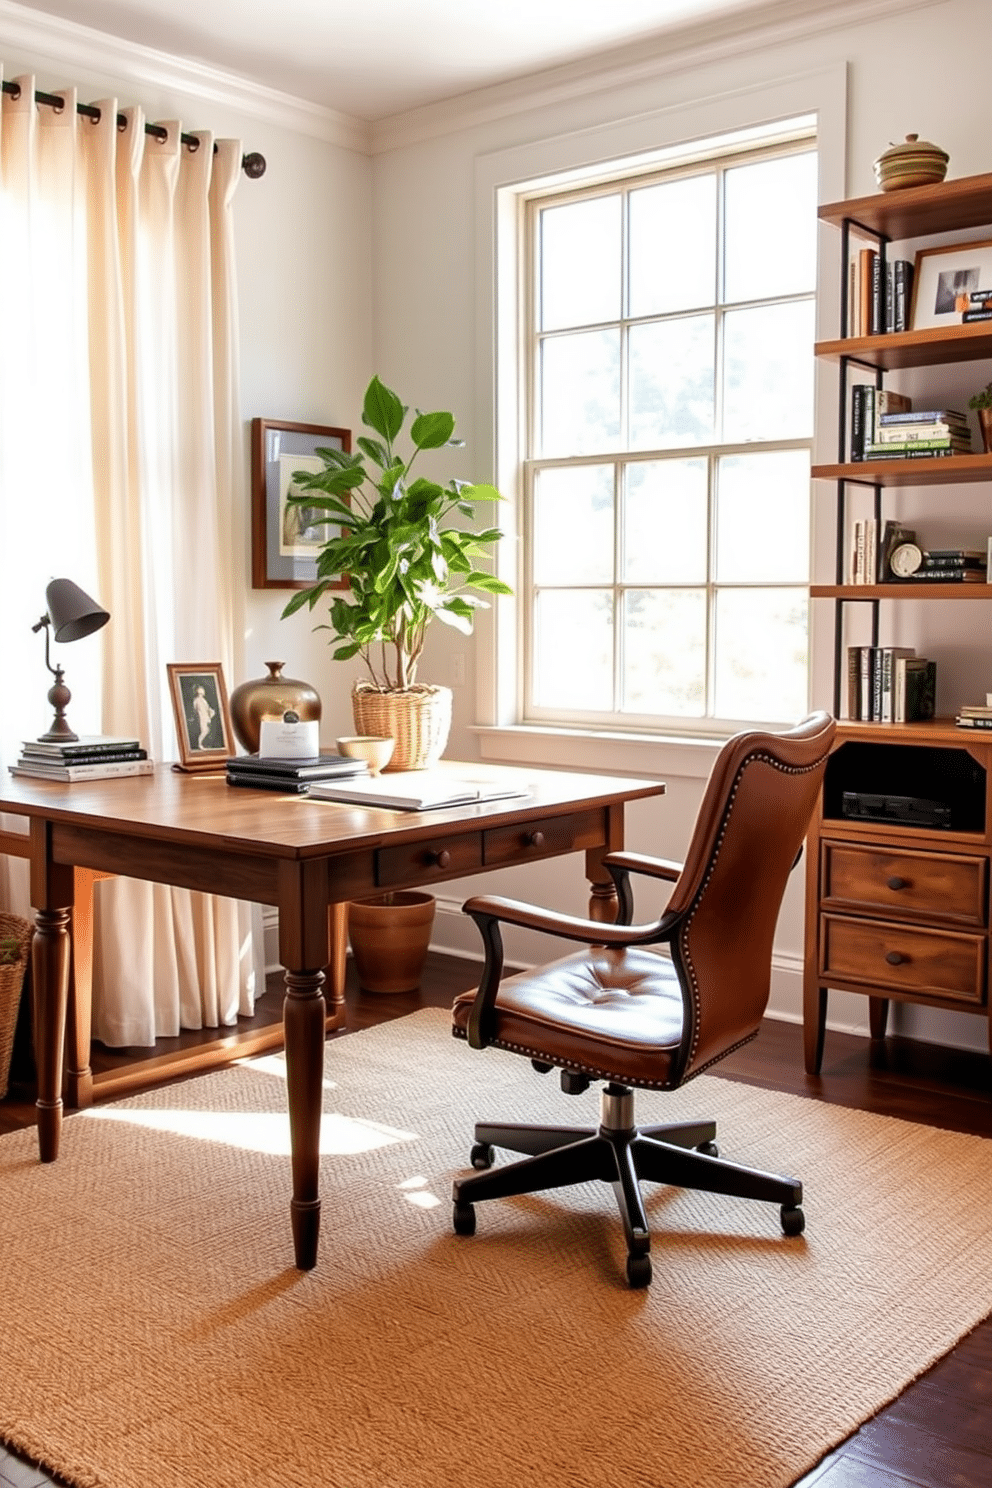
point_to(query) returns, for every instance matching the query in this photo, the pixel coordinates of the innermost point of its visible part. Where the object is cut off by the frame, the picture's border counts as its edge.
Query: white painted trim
(675, 50)
(67, 45)
(502, 178)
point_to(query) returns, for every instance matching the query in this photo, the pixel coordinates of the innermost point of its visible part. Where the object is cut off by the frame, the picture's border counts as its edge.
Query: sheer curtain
(120, 457)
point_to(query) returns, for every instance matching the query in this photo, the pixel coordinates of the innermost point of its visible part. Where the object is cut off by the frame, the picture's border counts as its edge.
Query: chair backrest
(749, 830)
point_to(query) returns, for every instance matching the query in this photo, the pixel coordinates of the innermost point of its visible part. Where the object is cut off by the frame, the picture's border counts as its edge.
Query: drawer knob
(439, 859)
(895, 958)
(535, 839)
(895, 882)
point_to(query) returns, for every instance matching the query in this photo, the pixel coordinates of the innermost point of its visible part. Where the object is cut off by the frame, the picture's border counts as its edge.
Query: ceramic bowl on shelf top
(916, 162)
(374, 749)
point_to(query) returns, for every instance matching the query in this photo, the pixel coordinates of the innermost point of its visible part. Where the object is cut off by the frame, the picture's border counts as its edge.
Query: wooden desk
(303, 856)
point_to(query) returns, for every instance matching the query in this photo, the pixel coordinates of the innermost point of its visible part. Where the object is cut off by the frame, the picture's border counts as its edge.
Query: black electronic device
(906, 811)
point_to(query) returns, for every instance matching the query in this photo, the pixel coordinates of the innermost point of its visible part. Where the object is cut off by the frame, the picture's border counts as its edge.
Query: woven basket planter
(418, 719)
(12, 928)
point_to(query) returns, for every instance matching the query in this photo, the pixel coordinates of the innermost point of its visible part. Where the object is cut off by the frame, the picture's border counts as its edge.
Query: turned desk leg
(337, 930)
(51, 894)
(303, 1024)
(78, 1072)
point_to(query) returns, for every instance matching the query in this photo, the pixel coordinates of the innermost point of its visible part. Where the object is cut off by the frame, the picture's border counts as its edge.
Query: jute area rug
(154, 1332)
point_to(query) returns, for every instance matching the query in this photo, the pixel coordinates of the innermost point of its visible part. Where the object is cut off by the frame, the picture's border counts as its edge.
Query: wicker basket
(12, 928)
(418, 719)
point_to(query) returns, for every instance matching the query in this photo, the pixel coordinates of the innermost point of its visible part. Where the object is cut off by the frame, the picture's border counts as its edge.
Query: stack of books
(876, 308)
(953, 566)
(90, 757)
(979, 306)
(974, 716)
(908, 435)
(292, 776)
(889, 684)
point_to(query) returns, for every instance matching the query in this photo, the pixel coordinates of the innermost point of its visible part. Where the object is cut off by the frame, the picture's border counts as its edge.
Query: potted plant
(406, 562)
(982, 403)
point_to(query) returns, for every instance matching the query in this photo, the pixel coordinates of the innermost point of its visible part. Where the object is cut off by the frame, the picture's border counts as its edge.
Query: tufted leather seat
(627, 1013)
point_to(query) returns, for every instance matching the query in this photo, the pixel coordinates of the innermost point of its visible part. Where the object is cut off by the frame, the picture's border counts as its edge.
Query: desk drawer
(931, 886)
(903, 958)
(541, 839)
(426, 862)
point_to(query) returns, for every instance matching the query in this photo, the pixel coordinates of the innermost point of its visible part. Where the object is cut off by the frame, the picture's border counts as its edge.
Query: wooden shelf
(933, 347)
(903, 589)
(944, 470)
(918, 211)
(926, 731)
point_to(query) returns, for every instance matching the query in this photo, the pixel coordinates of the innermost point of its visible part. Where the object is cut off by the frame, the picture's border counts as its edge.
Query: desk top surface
(169, 806)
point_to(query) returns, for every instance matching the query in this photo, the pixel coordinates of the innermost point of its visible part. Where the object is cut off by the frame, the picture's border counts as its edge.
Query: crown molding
(64, 44)
(728, 36)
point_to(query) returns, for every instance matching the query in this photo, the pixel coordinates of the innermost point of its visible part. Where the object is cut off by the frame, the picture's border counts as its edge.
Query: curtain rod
(253, 165)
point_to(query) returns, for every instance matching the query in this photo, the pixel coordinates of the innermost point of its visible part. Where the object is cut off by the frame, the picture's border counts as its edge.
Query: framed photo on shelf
(203, 719)
(285, 539)
(944, 280)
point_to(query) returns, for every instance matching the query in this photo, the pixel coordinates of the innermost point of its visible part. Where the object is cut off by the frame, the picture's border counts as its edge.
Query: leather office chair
(619, 1011)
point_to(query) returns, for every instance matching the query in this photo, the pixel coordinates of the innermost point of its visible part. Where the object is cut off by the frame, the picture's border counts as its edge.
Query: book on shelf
(919, 451)
(911, 432)
(922, 416)
(858, 398)
(327, 766)
(946, 558)
(116, 769)
(967, 316)
(872, 404)
(980, 296)
(939, 575)
(973, 721)
(419, 790)
(901, 278)
(864, 551)
(914, 689)
(975, 710)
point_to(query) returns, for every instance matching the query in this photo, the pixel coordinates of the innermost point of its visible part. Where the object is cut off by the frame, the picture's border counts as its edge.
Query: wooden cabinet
(897, 899)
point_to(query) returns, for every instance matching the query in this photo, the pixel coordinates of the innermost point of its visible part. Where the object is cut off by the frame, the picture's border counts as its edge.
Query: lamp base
(59, 697)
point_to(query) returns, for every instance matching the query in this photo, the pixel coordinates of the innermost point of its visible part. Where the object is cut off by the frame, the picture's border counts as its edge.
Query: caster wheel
(482, 1155)
(638, 1271)
(708, 1149)
(463, 1218)
(793, 1220)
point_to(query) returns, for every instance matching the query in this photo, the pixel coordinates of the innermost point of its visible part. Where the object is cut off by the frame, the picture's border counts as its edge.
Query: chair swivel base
(683, 1154)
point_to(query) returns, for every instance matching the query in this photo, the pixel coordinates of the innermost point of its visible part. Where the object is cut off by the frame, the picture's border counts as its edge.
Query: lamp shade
(72, 612)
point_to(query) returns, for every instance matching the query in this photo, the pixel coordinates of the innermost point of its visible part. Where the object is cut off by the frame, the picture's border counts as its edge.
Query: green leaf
(431, 430)
(488, 583)
(375, 450)
(479, 493)
(382, 410)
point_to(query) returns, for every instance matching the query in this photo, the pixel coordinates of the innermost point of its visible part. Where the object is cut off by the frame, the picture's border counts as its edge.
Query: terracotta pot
(270, 697)
(390, 936)
(419, 719)
(985, 428)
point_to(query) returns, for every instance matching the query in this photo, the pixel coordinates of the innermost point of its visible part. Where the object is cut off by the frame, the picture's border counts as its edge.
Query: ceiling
(373, 58)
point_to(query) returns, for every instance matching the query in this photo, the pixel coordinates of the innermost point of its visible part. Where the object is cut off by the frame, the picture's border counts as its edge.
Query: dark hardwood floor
(938, 1433)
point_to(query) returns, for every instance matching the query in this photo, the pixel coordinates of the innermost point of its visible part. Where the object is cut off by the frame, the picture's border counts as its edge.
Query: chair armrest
(666, 868)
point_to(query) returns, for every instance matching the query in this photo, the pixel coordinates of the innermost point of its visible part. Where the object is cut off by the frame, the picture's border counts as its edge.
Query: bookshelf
(899, 854)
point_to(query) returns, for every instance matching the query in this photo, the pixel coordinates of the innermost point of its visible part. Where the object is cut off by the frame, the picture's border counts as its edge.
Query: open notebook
(416, 790)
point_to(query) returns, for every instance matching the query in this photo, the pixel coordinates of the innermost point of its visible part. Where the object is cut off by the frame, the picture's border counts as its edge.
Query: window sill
(606, 753)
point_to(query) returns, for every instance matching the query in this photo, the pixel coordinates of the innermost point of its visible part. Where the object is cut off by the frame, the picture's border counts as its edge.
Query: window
(670, 398)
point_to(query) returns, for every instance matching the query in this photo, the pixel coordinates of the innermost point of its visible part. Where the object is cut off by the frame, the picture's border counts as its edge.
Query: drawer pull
(896, 958)
(535, 839)
(438, 859)
(895, 882)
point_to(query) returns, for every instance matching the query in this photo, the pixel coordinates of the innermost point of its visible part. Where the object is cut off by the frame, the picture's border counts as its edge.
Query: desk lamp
(71, 615)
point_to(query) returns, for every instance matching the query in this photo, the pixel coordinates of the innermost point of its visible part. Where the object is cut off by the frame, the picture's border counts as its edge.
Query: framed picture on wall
(203, 719)
(945, 280)
(285, 539)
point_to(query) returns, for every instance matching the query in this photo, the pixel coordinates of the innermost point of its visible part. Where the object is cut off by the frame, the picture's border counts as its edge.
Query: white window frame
(734, 153)
(503, 178)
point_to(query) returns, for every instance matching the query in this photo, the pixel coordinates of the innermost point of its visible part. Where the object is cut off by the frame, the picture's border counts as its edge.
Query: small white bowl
(375, 750)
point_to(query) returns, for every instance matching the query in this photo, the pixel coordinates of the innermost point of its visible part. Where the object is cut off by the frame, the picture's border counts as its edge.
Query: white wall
(435, 337)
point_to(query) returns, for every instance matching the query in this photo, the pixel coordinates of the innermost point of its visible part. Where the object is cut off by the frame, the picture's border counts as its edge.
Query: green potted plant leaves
(408, 561)
(982, 403)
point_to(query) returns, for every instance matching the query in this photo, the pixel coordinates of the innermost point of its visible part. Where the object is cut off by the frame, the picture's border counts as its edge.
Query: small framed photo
(285, 539)
(945, 279)
(203, 719)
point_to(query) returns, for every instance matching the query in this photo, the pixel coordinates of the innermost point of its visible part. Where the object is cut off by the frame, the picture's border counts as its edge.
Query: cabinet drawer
(425, 862)
(930, 886)
(903, 958)
(541, 839)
